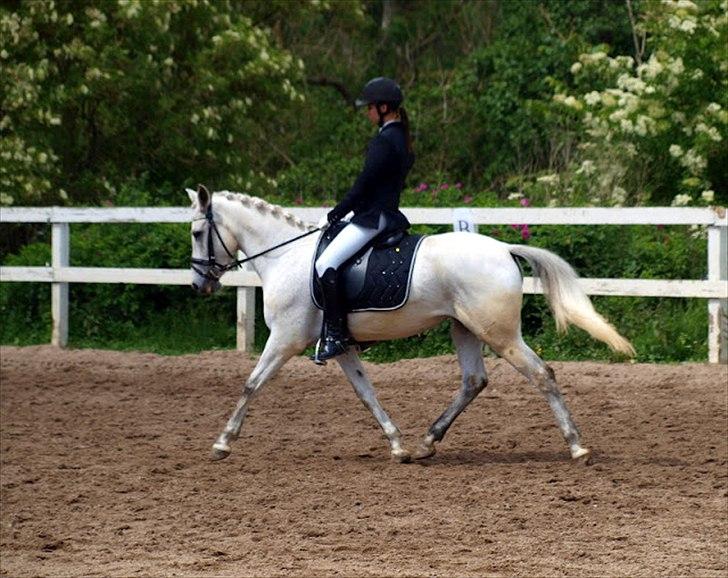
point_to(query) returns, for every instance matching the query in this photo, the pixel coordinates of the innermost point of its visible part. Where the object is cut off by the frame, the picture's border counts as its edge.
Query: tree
(657, 121)
(94, 94)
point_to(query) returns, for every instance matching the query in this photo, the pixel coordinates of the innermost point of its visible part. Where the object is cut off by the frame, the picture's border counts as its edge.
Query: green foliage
(25, 308)
(661, 330)
(322, 179)
(173, 329)
(257, 95)
(95, 93)
(656, 120)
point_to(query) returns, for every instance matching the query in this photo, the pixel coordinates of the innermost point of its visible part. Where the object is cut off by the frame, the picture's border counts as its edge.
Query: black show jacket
(378, 188)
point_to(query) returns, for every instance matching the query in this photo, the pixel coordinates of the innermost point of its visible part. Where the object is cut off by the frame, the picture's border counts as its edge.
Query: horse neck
(255, 230)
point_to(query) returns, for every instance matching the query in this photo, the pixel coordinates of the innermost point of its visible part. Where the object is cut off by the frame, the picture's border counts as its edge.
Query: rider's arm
(378, 160)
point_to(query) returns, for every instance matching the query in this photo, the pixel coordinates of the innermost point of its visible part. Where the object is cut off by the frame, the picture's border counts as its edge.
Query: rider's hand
(335, 215)
(323, 223)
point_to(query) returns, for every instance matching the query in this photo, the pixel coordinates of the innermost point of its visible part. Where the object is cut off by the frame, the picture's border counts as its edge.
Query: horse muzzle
(207, 287)
(205, 284)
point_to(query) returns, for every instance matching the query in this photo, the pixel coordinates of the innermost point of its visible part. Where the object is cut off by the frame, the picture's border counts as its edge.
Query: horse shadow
(483, 457)
(493, 457)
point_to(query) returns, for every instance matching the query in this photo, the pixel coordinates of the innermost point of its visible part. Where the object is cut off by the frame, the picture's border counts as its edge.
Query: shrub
(656, 120)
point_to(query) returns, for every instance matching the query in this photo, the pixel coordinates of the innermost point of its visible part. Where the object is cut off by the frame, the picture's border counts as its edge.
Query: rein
(215, 270)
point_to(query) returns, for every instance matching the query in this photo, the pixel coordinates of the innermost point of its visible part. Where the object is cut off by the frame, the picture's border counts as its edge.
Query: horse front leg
(474, 380)
(354, 370)
(275, 354)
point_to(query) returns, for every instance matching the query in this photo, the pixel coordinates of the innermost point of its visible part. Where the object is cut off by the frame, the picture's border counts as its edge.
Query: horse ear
(203, 197)
(192, 194)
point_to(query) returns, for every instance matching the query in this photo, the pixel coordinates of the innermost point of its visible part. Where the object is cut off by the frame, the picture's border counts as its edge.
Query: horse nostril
(194, 286)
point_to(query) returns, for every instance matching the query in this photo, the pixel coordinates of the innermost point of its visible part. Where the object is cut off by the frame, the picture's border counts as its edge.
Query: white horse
(472, 280)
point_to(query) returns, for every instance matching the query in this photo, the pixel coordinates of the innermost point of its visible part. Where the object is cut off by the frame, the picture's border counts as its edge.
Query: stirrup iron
(315, 357)
(328, 348)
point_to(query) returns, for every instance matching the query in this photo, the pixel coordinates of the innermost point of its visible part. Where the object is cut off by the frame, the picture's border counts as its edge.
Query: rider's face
(372, 113)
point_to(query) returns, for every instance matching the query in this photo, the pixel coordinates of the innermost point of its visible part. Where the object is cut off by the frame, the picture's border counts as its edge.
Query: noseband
(215, 270)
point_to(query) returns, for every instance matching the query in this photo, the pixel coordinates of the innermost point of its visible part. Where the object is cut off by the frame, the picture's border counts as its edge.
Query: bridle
(216, 270)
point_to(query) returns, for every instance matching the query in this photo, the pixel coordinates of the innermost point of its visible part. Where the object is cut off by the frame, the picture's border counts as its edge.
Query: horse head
(213, 245)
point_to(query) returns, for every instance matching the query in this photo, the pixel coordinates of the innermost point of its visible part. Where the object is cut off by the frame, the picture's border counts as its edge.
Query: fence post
(59, 291)
(717, 308)
(246, 319)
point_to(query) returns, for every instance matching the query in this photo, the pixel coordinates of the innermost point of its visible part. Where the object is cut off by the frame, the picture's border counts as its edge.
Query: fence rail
(60, 274)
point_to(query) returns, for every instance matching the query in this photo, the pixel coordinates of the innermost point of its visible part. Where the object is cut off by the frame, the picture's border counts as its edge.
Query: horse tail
(567, 299)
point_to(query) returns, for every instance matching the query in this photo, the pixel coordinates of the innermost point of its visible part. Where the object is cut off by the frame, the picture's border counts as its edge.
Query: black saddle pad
(376, 279)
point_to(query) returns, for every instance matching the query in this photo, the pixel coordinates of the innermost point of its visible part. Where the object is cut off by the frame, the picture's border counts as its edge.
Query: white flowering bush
(656, 123)
(93, 94)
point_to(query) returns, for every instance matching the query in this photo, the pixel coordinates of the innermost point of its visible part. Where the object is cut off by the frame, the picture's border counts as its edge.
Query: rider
(374, 200)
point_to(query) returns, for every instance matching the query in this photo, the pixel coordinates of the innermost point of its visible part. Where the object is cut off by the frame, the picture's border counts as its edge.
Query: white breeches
(346, 244)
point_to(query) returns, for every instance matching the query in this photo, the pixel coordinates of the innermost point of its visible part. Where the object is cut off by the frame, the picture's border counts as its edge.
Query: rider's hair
(406, 126)
(396, 107)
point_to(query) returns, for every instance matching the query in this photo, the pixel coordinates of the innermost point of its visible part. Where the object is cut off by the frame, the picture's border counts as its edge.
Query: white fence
(60, 274)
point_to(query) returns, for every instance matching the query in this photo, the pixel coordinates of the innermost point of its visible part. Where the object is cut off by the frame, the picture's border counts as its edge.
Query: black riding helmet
(378, 91)
(381, 90)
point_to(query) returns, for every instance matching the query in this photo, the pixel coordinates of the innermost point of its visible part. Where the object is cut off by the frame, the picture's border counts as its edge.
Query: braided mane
(267, 208)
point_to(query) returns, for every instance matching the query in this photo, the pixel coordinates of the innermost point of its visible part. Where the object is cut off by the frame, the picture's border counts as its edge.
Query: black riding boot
(334, 335)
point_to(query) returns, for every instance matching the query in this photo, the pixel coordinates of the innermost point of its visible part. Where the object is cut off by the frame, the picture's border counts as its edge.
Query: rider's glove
(334, 216)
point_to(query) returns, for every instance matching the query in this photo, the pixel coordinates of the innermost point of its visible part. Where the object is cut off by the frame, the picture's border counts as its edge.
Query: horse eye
(197, 234)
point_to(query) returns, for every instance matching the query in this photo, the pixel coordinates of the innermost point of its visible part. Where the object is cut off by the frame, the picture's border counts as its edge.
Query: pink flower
(458, 185)
(422, 187)
(525, 202)
(444, 186)
(467, 199)
(525, 231)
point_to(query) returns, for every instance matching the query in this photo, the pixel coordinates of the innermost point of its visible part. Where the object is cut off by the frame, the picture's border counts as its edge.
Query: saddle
(377, 278)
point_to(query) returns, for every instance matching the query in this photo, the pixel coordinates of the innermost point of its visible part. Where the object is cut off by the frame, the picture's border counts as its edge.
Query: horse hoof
(582, 456)
(219, 452)
(424, 451)
(401, 456)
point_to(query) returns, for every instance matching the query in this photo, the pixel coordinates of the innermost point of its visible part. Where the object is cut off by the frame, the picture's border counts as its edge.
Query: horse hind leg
(474, 380)
(540, 375)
